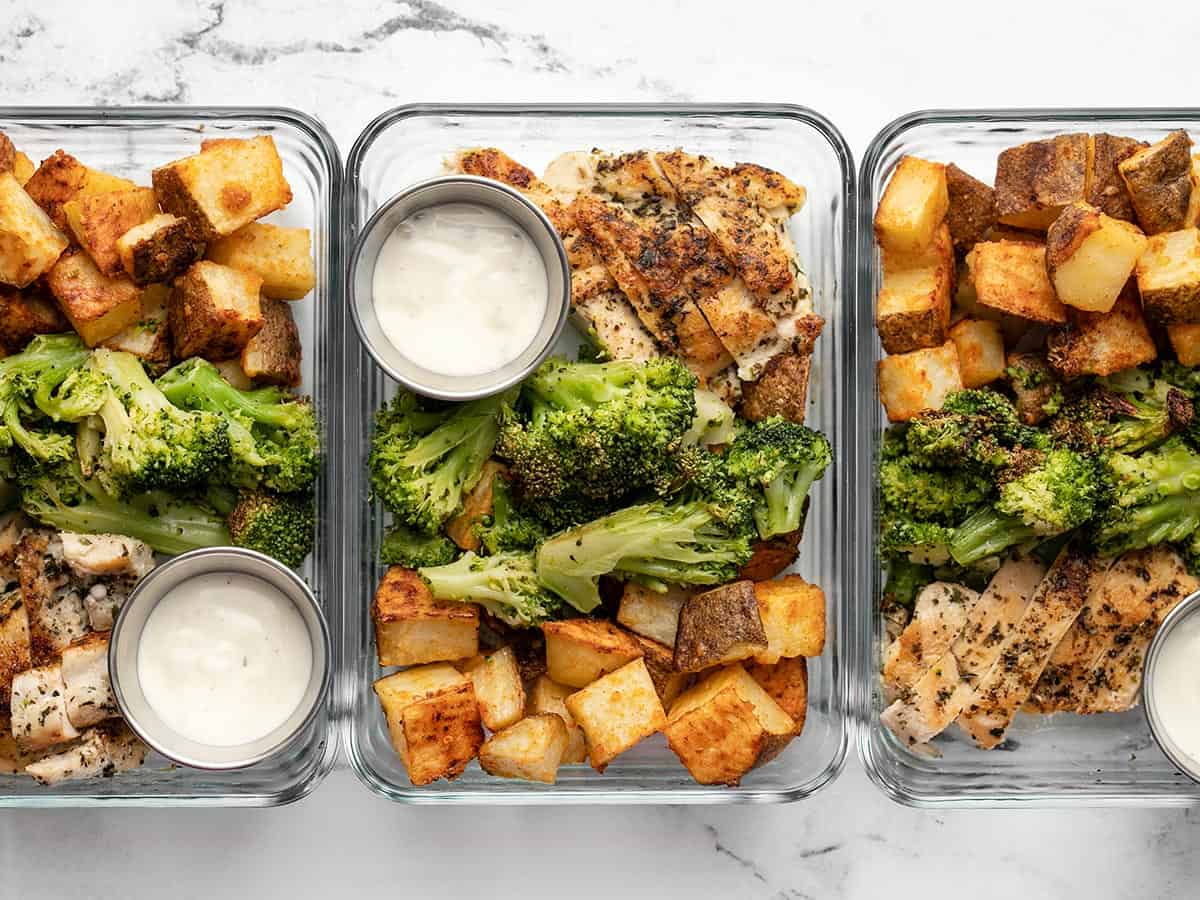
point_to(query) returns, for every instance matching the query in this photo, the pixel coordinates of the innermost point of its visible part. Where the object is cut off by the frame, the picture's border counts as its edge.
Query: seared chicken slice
(101, 752)
(939, 615)
(611, 323)
(39, 708)
(56, 611)
(106, 554)
(15, 649)
(940, 694)
(11, 526)
(14, 759)
(726, 385)
(1026, 650)
(85, 673)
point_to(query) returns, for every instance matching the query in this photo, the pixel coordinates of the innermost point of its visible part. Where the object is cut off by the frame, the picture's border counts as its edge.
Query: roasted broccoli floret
(274, 437)
(976, 428)
(1042, 494)
(780, 459)
(509, 527)
(62, 497)
(505, 584)
(1156, 497)
(423, 460)
(656, 543)
(905, 580)
(1191, 552)
(946, 496)
(923, 543)
(714, 424)
(597, 431)
(1127, 412)
(28, 381)
(404, 547)
(279, 525)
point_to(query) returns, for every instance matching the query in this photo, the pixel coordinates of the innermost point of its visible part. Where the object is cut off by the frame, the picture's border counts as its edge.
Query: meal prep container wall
(130, 142)
(409, 144)
(1058, 760)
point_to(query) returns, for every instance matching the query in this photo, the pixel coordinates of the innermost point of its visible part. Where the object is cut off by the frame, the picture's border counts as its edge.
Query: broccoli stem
(986, 533)
(1169, 520)
(199, 384)
(504, 584)
(785, 498)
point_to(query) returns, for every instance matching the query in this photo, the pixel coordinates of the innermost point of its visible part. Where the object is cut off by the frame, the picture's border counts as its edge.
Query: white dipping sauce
(459, 289)
(1176, 674)
(224, 659)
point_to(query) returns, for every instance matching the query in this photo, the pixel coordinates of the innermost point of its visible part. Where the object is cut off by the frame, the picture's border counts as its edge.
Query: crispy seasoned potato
(1033, 383)
(23, 168)
(99, 220)
(1090, 256)
(980, 345)
(1168, 277)
(477, 505)
(412, 627)
(910, 383)
(660, 663)
(25, 314)
(725, 725)
(8, 153)
(913, 306)
(781, 390)
(498, 688)
(787, 683)
(1192, 219)
(61, 177)
(1106, 188)
(29, 241)
(1035, 181)
(972, 208)
(548, 696)
(1159, 179)
(274, 354)
(214, 311)
(1185, 341)
(772, 556)
(281, 257)
(531, 749)
(650, 613)
(97, 306)
(1011, 277)
(158, 249)
(616, 712)
(399, 691)
(442, 734)
(719, 626)
(578, 651)
(149, 338)
(1102, 343)
(913, 206)
(229, 184)
(15, 649)
(793, 617)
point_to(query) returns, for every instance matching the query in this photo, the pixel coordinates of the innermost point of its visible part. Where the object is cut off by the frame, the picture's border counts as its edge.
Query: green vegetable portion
(505, 584)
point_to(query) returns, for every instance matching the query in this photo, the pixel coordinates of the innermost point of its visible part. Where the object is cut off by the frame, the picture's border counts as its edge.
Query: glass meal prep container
(130, 142)
(1056, 760)
(409, 144)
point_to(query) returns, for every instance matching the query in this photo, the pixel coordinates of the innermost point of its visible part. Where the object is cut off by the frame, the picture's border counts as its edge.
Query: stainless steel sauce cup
(1182, 761)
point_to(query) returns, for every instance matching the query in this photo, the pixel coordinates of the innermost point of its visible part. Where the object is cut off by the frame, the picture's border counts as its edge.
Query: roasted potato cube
(15, 649)
(616, 712)
(23, 168)
(972, 208)
(719, 626)
(498, 688)
(97, 306)
(1185, 341)
(793, 617)
(913, 206)
(62, 177)
(980, 346)
(911, 383)
(772, 556)
(1193, 214)
(578, 651)
(441, 735)
(281, 257)
(158, 249)
(1102, 343)
(725, 725)
(98, 221)
(1168, 277)
(149, 338)
(1106, 188)
(660, 663)
(399, 691)
(913, 306)
(781, 390)
(39, 708)
(1159, 179)
(787, 683)
(1034, 384)
(548, 696)
(1011, 277)
(273, 355)
(214, 311)
(412, 627)
(650, 613)
(29, 242)
(1090, 256)
(23, 315)
(1035, 181)
(477, 505)
(227, 185)
(531, 749)
(8, 153)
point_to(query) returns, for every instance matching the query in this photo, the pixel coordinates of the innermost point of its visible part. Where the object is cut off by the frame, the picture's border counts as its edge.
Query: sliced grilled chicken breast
(16, 652)
(938, 617)
(106, 554)
(100, 752)
(85, 673)
(55, 606)
(39, 708)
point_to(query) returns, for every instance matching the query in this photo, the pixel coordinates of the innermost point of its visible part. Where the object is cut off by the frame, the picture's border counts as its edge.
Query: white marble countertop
(347, 61)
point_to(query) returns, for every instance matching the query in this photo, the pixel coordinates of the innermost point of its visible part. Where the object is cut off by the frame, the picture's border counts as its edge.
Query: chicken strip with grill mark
(939, 615)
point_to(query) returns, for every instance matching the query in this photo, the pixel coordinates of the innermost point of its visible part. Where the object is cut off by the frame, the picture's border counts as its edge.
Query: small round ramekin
(1189, 607)
(435, 192)
(126, 635)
